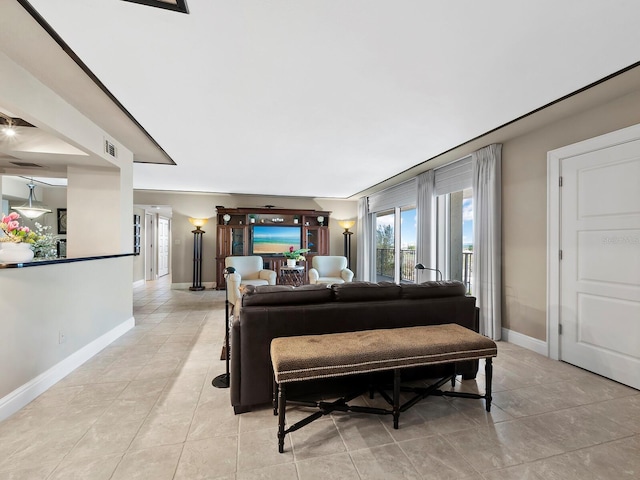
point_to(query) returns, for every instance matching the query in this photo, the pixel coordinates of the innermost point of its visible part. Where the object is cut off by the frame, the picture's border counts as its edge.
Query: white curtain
(425, 206)
(366, 247)
(487, 240)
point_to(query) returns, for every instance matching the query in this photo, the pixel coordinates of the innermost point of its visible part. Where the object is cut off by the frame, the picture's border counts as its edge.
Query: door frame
(554, 161)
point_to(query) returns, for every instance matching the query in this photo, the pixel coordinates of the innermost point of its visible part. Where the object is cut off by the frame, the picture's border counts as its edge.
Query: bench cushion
(337, 354)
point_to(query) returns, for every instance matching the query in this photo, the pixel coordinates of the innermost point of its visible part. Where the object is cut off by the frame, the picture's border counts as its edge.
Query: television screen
(275, 239)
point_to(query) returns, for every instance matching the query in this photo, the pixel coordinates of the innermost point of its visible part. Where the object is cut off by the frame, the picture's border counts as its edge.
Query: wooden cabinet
(234, 234)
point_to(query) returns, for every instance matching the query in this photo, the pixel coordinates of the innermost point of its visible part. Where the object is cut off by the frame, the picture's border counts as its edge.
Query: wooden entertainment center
(235, 234)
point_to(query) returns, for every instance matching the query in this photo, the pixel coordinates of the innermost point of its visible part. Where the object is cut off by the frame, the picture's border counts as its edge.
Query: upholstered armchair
(329, 270)
(249, 271)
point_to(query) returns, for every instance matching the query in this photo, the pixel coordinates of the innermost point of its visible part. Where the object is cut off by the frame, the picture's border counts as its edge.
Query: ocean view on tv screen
(275, 239)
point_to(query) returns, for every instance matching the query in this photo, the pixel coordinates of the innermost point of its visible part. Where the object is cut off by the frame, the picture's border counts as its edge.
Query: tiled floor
(145, 408)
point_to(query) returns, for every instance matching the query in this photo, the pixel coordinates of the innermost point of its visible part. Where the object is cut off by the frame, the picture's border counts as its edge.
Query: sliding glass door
(396, 245)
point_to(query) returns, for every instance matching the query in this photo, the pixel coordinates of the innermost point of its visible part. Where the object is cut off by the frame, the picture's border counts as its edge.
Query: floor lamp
(420, 266)
(347, 224)
(197, 253)
(223, 380)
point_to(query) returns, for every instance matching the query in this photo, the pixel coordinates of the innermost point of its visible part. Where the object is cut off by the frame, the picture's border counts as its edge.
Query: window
(455, 235)
(396, 245)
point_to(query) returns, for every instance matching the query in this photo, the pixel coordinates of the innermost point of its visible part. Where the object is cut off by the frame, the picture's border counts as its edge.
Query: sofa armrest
(313, 276)
(233, 288)
(347, 275)
(268, 275)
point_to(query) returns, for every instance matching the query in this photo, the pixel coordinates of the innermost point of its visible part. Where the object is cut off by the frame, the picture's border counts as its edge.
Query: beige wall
(524, 204)
(185, 205)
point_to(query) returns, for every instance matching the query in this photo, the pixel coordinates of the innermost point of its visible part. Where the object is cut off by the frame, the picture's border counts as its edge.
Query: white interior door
(163, 246)
(600, 266)
(149, 250)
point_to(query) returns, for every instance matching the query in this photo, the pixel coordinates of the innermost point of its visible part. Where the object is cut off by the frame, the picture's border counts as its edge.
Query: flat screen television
(275, 239)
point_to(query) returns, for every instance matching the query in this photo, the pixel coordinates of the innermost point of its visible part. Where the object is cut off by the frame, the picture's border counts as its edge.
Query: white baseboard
(139, 283)
(525, 341)
(24, 394)
(185, 286)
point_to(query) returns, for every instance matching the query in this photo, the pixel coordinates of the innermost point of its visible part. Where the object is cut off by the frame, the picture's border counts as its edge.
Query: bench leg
(274, 393)
(488, 374)
(396, 397)
(282, 406)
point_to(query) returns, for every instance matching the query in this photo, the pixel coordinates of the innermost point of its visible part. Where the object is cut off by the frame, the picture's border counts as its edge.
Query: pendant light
(32, 209)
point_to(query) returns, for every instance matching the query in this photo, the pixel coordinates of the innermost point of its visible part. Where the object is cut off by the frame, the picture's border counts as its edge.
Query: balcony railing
(385, 266)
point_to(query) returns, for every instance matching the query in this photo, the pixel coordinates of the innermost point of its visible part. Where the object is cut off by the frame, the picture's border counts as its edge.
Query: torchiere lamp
(197, 253)
(347, 224)
(223, 380)
(420, 266)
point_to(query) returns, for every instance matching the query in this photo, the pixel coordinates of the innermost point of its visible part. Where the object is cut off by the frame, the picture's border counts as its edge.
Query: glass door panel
(408, 241)
(385, 247)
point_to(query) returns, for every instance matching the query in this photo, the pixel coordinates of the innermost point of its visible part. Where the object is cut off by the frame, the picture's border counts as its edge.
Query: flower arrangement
(296, 255)
(42, 242)
(13, 232)
(46, 244)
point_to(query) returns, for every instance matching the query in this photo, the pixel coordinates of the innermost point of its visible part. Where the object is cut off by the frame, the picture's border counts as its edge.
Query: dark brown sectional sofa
(267, 312)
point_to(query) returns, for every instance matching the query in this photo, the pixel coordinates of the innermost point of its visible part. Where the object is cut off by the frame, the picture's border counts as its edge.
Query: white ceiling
(327, 98)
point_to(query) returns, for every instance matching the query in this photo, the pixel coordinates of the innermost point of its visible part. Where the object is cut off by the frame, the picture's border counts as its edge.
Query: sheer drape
(366, 247)
(425, 205)
(487, 240)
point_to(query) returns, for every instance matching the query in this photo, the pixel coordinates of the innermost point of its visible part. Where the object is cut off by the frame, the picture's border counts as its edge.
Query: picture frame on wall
(62, 221)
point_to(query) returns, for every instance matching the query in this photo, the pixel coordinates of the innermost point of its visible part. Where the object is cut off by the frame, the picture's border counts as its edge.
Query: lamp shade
(32, 209)
(346, 224)
(198, 222)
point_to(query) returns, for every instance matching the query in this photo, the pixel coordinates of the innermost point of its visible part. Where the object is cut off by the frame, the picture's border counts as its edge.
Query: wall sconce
(197, 252)
(347, 224)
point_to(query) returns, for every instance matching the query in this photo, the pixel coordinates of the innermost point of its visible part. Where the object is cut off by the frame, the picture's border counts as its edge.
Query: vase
(291, 262)
(15, 252)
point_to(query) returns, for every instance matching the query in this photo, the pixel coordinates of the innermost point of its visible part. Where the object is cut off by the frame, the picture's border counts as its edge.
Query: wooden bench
(308, 357)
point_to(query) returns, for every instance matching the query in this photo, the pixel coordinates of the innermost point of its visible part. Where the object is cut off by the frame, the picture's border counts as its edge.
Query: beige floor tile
(335, 467)
(383, 463)
(211, 420)
(411, 425)
(210, 458)
(556, 468)
(89, 468)
(501, 445)
(48, 447)
(575, 428)
(619, 460)
(28, 473)
(105, 439)
(624, 411)
(434, 459)
(285, 471)
(476, 410)
(259, 449)
(316, 439)
(360, 431)
(442, 417)
(156, 463)
(124, 410)
(162, 429)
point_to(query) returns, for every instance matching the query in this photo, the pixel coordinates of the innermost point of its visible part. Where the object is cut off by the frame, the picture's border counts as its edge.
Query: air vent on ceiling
(27, 164)
(110, 149)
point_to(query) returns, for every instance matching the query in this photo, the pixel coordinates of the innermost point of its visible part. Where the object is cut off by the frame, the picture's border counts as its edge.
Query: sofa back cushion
(444, 288)
(365, 291)
(265, 295)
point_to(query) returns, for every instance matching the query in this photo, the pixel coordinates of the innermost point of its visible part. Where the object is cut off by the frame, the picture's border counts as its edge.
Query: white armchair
(249, 271)
(329, 270)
